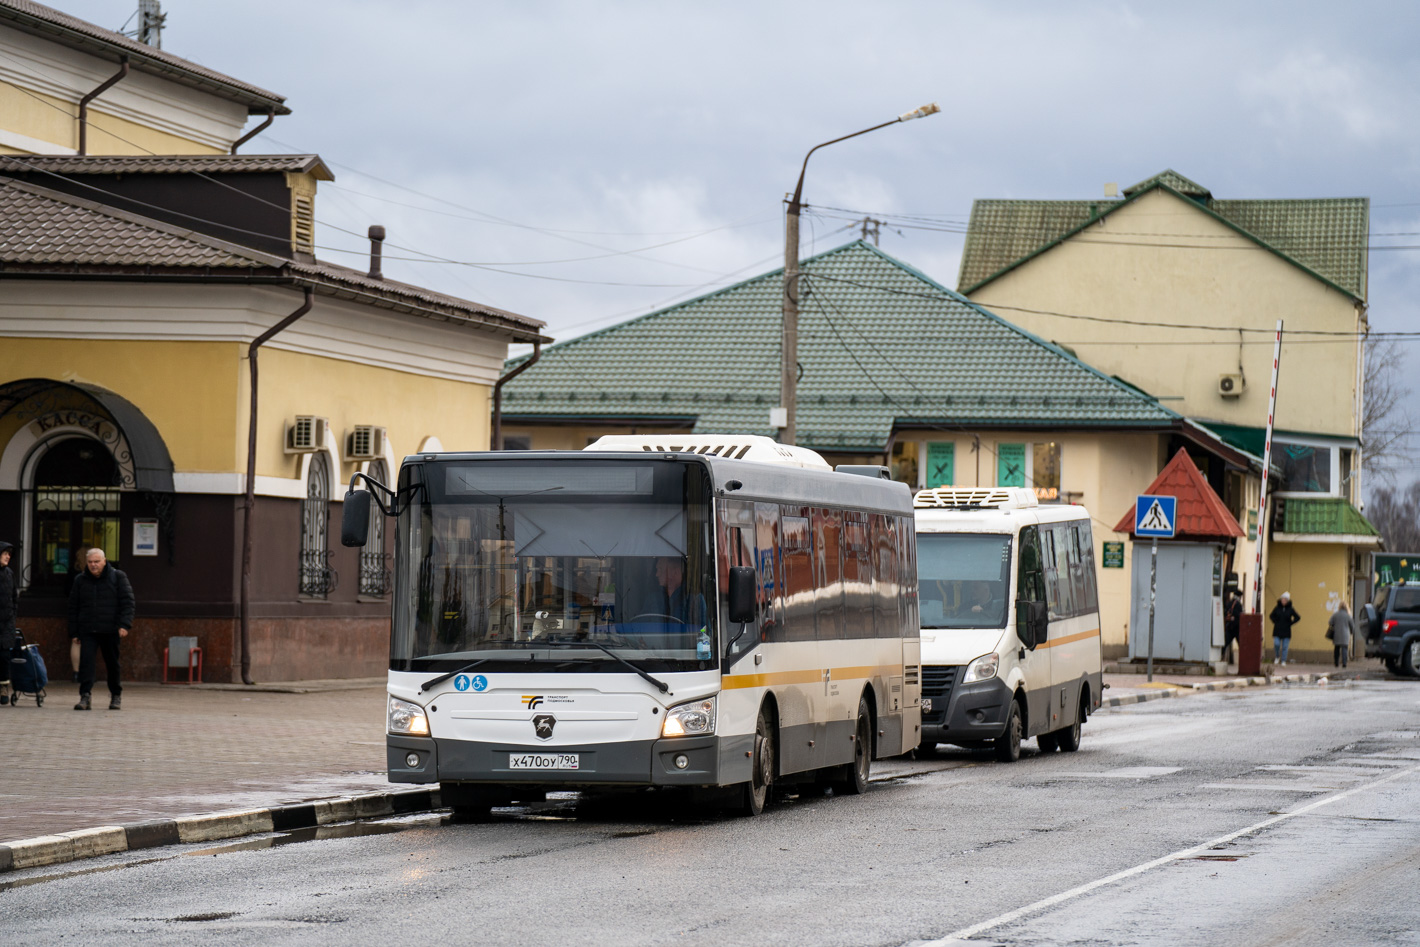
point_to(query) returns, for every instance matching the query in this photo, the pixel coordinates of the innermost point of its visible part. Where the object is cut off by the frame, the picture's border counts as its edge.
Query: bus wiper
(436, 681)
(664, 687)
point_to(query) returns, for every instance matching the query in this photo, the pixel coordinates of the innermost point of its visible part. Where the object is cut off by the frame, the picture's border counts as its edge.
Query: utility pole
(870, 229)
(789, 340)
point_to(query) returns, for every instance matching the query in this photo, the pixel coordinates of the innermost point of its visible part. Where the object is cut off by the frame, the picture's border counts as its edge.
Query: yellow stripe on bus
(1069, 638)
(736, 681)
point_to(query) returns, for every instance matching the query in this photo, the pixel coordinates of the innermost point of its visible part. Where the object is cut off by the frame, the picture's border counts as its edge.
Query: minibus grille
(937, 683)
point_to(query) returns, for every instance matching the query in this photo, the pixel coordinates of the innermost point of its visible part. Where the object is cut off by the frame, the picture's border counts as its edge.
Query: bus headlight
(695, 718)
(982, 669)
(405, 717)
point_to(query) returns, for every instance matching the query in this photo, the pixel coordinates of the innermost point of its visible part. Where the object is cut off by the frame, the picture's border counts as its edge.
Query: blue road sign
(1154, 516)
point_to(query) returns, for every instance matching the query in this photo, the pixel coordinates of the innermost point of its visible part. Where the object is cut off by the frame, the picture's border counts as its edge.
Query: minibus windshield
(555, 566)
(964, 579)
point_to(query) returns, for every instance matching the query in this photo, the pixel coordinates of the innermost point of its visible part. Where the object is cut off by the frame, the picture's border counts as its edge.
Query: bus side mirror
(742, 589)
(1031, 619)
(355, 518)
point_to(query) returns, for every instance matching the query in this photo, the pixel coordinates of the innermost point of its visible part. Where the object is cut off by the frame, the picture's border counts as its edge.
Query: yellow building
(1178, 293)
(71, 87)
(126, 331)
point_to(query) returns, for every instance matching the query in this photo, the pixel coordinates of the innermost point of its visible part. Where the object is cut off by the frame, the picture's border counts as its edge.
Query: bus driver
(680, 606)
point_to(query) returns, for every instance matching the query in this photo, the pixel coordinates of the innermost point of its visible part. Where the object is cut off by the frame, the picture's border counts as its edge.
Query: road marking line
(955, 937)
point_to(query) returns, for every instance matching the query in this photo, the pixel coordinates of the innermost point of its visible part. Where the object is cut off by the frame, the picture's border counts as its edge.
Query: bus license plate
(543, 760)
(926, 704)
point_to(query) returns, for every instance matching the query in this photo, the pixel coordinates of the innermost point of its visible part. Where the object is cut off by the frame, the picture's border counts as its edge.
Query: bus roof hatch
(751, 447)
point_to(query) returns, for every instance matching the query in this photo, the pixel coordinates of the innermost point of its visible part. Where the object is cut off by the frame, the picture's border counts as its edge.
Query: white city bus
(1010, 620)
(713, 613)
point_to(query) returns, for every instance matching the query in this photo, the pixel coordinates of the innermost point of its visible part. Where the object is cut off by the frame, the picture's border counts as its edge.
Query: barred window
(317, 578)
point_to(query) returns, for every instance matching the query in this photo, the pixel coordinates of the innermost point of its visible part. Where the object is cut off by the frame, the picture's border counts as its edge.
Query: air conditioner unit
(1230, 386)
(306, 434)
(365, 442)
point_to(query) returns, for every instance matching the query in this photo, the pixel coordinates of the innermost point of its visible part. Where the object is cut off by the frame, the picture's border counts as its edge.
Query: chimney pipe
(377, 239)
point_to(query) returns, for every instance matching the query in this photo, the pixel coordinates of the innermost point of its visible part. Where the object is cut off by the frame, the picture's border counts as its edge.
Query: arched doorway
(77, 506)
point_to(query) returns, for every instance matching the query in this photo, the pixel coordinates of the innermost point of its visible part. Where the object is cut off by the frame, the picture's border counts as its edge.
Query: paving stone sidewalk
(175, 751)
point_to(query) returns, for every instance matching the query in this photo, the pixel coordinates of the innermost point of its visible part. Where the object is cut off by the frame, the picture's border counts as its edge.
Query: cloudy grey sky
(596, 161)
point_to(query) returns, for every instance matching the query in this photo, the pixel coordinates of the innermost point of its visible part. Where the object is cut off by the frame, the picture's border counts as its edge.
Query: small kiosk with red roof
(1188, 616)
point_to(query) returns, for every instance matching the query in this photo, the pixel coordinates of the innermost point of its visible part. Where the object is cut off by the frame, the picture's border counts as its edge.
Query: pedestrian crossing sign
(1154, 516)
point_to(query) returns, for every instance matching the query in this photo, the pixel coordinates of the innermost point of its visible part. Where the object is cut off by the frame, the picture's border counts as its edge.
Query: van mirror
(1031, 619)
(742, 594)
(355, 518)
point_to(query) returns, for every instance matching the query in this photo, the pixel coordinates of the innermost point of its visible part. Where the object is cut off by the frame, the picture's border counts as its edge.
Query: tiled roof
(1199, 512)
(880, 344)
(79, 34)
(164, 164)
(46, 231)
(1327, 236)
(38, 226)
(1325, 516)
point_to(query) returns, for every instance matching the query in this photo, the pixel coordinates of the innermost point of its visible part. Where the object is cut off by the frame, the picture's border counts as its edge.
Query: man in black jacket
(9, 602)
(100, 613)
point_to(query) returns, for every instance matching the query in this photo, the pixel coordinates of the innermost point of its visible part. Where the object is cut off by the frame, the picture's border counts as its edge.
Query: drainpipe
(498, 395)
(250, 500)
(84, 103)
(270, 117)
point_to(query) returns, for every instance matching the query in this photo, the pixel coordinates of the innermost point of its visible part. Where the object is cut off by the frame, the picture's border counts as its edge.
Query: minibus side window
(1030, 580)
(1083, 560)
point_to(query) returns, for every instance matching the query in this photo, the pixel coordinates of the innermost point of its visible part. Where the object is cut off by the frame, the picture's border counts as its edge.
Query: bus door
(1034, 661)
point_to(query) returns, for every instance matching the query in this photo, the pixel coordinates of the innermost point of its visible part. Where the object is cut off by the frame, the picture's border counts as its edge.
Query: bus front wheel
(761, 777)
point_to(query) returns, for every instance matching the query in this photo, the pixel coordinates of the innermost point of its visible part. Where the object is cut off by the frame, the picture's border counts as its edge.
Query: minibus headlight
(692, 719)
(982, 669)
(405, 717)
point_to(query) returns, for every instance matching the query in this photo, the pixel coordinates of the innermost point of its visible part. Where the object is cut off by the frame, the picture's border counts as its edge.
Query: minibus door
(1034, 657)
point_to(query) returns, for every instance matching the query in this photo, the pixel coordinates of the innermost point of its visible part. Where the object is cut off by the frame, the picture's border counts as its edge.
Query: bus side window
(770, 566)
(1083, 554)
(828, 562)
(885, 615)
(1060, 577)
(857, 577)
(1030, 580)
(799, 584)
(736, 548)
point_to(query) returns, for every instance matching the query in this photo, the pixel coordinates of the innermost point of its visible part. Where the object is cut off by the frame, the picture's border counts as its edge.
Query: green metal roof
(879, 342)
(1324, 516)
(1325, 236)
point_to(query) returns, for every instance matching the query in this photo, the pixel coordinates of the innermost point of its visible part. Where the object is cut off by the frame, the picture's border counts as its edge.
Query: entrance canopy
(33, 399)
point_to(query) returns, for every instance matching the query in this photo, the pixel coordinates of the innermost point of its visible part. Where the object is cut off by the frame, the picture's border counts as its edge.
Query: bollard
(1249, 645)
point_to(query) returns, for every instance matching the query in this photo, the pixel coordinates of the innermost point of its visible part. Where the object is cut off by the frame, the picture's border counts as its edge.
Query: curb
(1183, 690)
(108, 839)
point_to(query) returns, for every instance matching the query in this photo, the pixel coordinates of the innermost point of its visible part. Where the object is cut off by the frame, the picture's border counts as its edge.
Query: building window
(374, 564)
(941, 464)
(1306, 468)
(317, 578)
(76, 508)
(1045, 470)
(904, 463)
(1010, 465)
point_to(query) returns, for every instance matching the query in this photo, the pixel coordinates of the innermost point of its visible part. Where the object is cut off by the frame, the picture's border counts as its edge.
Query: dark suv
(1391, 624)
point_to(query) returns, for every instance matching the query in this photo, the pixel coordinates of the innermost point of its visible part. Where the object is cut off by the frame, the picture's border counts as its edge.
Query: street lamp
(789, 370)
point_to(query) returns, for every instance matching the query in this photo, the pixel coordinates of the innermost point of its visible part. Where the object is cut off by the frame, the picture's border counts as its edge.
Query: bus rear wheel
(1070, 736)
(854, 778)
(761, 767)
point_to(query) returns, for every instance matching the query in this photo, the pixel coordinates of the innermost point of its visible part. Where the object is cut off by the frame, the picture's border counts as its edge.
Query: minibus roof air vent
(752, 447)
(958, 498)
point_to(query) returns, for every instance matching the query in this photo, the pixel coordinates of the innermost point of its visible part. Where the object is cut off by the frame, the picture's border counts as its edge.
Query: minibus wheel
(1070, 736)
(1008, 745)
(1048, 742)
(761, 774)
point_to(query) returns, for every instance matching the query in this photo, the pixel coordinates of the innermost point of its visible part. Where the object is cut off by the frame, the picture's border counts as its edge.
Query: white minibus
(1010, 620)
(710, 613)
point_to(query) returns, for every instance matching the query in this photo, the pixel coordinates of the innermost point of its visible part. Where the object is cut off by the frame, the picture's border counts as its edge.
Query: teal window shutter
(941, 464)
(1010, 465)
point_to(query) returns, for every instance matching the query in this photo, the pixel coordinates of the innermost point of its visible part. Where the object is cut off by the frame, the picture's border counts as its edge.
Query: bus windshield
(964, 579)
(507, 563)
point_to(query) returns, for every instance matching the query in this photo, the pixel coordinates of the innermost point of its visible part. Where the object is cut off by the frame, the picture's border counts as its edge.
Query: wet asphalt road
(1125, 842)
